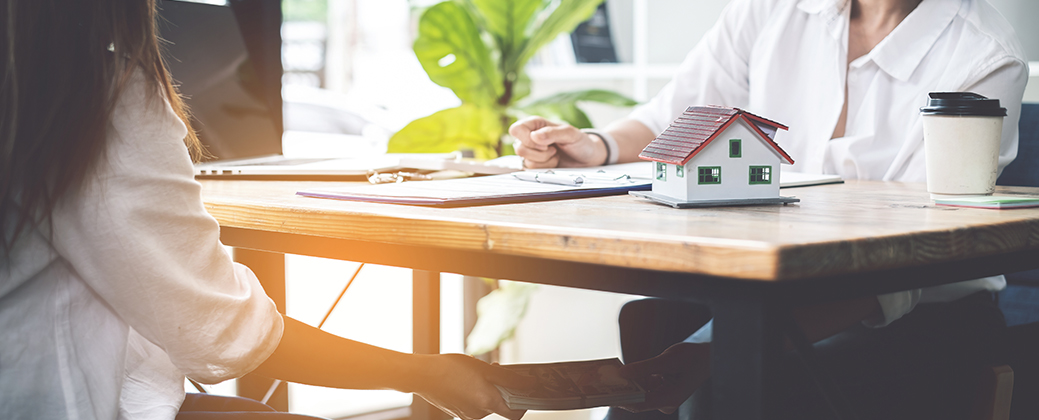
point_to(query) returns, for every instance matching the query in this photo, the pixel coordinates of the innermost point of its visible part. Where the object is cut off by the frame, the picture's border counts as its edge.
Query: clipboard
(480, 191)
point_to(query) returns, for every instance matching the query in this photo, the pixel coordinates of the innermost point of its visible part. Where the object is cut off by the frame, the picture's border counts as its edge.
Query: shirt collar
(904, 48)
(832, 12)
(819, 6)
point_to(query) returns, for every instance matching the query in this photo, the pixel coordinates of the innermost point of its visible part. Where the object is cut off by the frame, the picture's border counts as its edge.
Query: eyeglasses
(396, 177)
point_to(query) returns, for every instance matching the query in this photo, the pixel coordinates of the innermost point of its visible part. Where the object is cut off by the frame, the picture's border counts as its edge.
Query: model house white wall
(735, 171)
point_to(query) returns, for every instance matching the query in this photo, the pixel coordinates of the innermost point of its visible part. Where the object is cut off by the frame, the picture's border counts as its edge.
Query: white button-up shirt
(128, 289)
(787, 60)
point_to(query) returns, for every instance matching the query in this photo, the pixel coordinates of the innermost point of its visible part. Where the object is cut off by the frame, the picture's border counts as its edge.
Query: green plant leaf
(566, 112)
(498, 314)
(508, 20)
(521, 88)
(590, 95)
(454, 55)
(466, 127)
(563, 19)
(563, 106)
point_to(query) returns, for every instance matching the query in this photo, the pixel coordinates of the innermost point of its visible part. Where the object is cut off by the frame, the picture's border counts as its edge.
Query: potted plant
(479, 49)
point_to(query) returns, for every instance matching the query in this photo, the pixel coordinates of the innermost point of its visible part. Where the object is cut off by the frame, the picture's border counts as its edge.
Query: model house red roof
(698, 126)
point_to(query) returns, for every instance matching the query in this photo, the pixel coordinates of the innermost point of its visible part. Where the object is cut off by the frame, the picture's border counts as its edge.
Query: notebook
(990, 202)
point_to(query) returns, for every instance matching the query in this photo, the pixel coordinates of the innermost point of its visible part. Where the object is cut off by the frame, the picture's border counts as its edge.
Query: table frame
(746, 312)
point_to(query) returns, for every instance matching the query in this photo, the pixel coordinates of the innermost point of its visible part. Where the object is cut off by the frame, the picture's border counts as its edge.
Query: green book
(990, 202)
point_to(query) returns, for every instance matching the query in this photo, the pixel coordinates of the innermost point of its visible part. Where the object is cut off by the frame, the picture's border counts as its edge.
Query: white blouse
(128, 290)
(785, 60)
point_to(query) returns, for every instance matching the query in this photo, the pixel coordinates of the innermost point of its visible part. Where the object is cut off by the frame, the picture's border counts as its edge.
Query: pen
(549, 178)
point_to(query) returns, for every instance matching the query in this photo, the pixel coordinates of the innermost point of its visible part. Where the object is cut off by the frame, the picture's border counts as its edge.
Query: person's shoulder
(986, 28)
(144, 129)
(141, 104)
(143, 116)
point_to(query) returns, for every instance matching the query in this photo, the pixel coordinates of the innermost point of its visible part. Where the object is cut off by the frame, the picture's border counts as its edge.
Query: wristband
(612, 151)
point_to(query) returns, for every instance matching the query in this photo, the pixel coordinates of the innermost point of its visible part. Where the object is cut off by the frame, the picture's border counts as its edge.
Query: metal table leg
(745, 351)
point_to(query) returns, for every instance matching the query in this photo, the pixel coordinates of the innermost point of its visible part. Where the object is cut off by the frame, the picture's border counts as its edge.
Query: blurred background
(354, 58)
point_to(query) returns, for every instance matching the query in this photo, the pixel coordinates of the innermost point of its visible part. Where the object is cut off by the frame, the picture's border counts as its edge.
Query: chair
(1020, 300)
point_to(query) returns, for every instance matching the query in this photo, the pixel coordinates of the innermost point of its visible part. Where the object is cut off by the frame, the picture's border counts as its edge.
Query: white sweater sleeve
(140, 237)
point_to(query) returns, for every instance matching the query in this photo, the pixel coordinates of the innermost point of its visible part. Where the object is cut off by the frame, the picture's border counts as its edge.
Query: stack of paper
(989, 202)
(573, 385)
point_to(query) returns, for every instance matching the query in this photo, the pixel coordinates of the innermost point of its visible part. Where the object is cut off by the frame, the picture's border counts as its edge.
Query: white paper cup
(962, 133)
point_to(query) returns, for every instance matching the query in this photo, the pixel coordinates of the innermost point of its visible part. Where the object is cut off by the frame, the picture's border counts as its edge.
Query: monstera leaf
(466, 127)
(454, 55)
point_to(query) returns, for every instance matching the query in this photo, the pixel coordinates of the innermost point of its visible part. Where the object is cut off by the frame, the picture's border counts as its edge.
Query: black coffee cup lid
(962, 103)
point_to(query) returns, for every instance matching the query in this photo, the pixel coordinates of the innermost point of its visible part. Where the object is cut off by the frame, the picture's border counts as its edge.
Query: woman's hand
(671, 377)
(463, 386)
(545, 144)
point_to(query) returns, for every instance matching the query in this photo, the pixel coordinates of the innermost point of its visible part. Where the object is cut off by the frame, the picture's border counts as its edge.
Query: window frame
(700, 175)
(738, 142)
(766, 173)
(661, 171)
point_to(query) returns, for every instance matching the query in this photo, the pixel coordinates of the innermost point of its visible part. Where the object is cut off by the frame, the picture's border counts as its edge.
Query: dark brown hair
(65, 62)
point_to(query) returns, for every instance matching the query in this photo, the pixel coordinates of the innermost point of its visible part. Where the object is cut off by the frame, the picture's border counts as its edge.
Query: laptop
(235, 100)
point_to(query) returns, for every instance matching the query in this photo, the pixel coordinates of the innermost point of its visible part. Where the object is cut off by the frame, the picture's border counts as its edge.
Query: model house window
(662, 171)
(760, 174)
(709, 174)
(680, 171)
(735, 148)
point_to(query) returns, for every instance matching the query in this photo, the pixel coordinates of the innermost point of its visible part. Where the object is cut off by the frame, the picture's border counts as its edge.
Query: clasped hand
(546, 144)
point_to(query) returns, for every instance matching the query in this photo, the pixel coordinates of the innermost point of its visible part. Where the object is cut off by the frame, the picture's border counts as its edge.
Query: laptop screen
(223, 89)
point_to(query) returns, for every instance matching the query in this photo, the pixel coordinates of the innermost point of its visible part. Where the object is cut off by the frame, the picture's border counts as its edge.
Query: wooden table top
(834, 230)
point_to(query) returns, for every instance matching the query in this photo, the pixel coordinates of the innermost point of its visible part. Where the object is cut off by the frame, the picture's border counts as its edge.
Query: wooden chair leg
(997, 386)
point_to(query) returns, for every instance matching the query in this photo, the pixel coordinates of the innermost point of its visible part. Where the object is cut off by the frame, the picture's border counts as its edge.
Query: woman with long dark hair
(113, 282)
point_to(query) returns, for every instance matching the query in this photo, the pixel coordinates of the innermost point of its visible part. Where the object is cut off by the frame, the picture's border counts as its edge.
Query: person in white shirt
(114, 285)
(848, 77)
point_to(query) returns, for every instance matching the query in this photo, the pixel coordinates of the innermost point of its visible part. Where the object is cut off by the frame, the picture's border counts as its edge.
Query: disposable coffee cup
(962, 133)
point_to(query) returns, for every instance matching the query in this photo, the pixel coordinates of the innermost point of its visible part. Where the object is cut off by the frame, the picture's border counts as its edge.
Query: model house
(713, 156)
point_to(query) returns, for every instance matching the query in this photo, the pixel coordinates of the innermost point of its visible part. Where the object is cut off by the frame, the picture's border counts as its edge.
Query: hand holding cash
(462, 386)
(573, 385)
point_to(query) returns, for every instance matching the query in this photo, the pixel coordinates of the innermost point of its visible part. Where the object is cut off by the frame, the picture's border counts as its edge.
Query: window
(735, 148)
(680, 171)
(760, 175)
(662, 171)
(709, 174)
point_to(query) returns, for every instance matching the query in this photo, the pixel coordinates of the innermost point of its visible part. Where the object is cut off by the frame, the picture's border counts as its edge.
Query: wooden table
(750, 264)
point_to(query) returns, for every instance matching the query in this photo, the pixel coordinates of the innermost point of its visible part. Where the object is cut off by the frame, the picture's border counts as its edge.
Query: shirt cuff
(893, 306)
